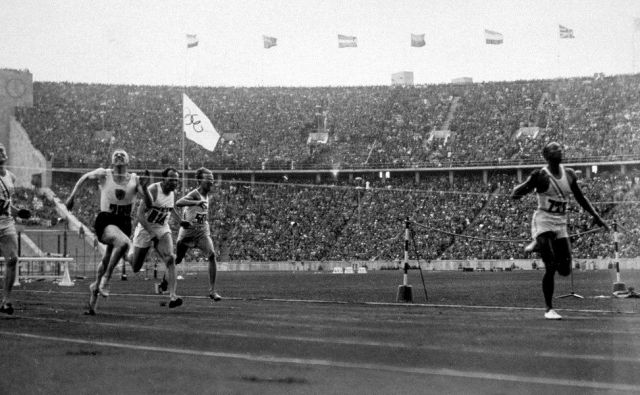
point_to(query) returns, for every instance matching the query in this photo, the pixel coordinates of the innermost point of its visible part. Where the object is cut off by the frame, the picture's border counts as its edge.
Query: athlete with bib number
(118, 191)
(194, 231)
(553, 184)
(153, 229)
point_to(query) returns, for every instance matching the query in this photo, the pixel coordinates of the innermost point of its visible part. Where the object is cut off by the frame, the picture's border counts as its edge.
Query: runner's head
(552, 153)
(205, 178)
(120, 158)
(169, 179)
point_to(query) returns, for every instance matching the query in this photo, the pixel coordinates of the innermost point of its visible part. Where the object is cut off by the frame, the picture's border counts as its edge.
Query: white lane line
(351, 342)
(343, 365)
(317, 301)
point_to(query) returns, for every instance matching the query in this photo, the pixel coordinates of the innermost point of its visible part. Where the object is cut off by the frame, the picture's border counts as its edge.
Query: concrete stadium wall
(516, 264)
(24, 159)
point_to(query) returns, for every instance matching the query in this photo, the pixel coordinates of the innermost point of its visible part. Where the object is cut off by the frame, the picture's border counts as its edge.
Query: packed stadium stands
(77, 124)
(597, 119)
(280, 221)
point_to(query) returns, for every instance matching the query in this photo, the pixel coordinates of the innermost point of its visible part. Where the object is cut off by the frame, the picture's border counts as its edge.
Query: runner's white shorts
(143, 239)
(543, 221)
(197, 237)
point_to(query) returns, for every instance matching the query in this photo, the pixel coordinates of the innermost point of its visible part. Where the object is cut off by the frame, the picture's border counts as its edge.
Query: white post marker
(16, 281)
(404, 290)
(619, 288)
(66, 278)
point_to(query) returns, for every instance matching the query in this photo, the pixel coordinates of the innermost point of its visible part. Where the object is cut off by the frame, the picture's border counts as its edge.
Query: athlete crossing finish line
(553, 185)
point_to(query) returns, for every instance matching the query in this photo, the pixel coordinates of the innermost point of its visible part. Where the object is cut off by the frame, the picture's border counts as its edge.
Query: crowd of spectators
(43, 211)
(267, 127)
(282, 219)
(597, 119)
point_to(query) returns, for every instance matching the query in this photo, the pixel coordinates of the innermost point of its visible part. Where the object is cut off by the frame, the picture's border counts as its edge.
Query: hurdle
(620, 289)
(42, 268)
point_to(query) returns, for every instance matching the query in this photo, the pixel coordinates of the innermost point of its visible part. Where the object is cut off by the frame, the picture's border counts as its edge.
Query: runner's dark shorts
(104, 219)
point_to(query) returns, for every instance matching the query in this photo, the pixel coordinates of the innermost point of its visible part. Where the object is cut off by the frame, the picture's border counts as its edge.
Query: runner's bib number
(556, 206)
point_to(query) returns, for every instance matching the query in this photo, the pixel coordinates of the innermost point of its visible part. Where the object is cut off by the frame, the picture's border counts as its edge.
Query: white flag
(197, 127)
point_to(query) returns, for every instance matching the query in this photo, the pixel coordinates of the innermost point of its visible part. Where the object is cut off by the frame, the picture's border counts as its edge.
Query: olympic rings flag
(197, 127)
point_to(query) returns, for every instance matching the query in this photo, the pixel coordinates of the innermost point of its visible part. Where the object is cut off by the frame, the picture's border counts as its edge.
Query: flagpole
(634, 35)
(182, 132)
(558, 52)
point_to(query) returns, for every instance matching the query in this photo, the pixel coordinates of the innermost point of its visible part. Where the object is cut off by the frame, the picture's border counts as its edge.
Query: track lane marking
(349, 342)
(343, 365)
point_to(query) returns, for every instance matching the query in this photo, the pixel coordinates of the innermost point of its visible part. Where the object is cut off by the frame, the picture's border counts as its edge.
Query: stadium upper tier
(598, 119)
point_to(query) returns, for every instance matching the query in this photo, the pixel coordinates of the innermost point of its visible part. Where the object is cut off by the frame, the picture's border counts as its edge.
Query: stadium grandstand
(353, 195)
(282, 197)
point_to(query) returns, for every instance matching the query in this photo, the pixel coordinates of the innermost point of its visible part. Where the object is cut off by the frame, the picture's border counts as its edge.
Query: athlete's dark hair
(165, 172)
(201, 172)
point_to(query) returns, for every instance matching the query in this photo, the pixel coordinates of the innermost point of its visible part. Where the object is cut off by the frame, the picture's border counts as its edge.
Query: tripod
(575, 295)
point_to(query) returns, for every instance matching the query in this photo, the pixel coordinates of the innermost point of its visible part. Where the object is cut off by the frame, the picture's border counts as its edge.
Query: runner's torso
(118, 198)
(554, 200)
(162, 205)
(197, 216)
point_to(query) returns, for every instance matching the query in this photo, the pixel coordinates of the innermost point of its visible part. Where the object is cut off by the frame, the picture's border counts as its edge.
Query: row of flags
(496, 38)
(417, 40)
(198, 128)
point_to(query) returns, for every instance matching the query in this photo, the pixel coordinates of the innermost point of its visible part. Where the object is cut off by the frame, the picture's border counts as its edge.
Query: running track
(293, 346)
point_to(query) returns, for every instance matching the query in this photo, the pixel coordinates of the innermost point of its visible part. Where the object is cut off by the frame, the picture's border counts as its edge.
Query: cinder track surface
(322, 333)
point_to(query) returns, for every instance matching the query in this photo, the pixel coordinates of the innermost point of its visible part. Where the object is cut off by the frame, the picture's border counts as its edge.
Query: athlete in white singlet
(8, 234)
(118, 191)
(551, 214)
(153, 229)
(194, 231)
(553, 185)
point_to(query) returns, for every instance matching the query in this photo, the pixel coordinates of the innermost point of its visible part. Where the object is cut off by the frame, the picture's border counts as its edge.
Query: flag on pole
(347, 41)
(197, 127)
(493, 38)
(192, 40)
(269, 41)
(417, 40)
(566, 32)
